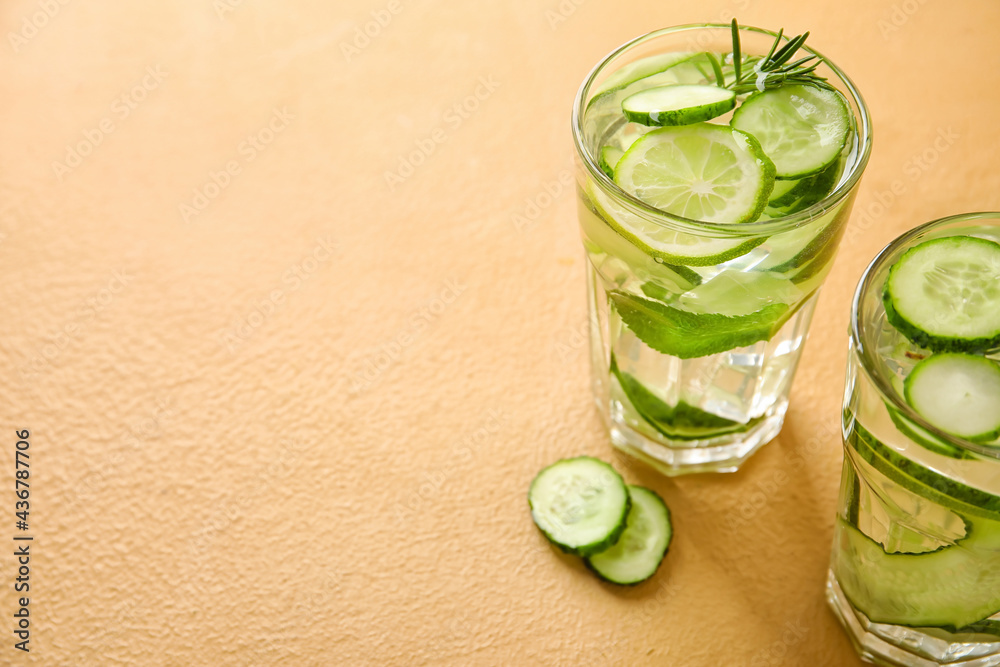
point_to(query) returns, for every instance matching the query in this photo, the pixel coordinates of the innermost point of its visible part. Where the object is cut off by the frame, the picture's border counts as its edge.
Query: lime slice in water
(705, 172)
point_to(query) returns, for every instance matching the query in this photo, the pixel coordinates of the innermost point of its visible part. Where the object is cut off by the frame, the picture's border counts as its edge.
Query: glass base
(724, 453)
(901, 646)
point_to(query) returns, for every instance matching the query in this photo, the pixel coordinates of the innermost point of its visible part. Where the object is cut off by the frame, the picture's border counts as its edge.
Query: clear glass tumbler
(915, 570)
(693, 350)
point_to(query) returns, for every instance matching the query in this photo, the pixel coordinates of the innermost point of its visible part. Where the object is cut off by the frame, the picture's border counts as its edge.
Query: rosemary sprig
(773, 70)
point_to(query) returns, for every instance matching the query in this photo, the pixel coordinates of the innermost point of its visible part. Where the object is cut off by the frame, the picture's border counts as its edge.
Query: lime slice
(610, 155)
(678, 104)
(705, 172)
(665, 245)
(802, 128)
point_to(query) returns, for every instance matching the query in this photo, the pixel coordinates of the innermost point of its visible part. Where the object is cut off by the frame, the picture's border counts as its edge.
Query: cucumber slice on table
(958, 393)
(802, 128)
(704, 172)
(580, 504)
(944, 294)
(641, 548)
(953, 587)
(610, 155)
(678, 104)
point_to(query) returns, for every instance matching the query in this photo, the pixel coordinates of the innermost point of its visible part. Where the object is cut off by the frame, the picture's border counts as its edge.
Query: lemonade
(718, 166)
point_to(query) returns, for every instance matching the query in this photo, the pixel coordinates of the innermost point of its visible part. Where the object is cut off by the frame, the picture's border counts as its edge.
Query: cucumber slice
(641, 548)
(687, 335)
(921, 480)
(580, 504)
(925, 438)
(679, 422)
(678, 104)
(641, 69)
(953, 587)
(944, 294)
(958, 393)
(802, 128)
(610, 155)
(666, 245)
(803, 193)
(703, 172)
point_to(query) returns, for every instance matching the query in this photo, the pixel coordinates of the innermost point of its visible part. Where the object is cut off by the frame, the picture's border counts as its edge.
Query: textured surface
(294, 423)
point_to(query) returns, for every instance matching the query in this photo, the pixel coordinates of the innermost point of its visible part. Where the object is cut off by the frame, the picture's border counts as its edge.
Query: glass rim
(865, 356)
(744, 229)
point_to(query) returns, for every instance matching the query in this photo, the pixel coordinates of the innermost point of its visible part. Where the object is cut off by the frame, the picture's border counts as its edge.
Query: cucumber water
(700, 298)
(916, 556)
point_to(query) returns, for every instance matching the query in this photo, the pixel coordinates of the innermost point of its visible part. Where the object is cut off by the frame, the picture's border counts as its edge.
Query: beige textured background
(260, 435)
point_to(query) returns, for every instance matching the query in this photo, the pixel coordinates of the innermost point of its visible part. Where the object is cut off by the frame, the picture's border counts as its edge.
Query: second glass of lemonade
(708, 232)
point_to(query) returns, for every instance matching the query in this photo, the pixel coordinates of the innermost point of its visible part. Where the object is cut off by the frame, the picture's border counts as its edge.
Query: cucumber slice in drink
(610, 155)
(641, 69)
(704, 172)
(925, 438)
(803, 193)
(580, 504)
(679, 422)
(678, 104)
(921, 480)
(687, 335)
(802, 128)
(641, 548)
(944, 294)
(953, 587)
(958, 393)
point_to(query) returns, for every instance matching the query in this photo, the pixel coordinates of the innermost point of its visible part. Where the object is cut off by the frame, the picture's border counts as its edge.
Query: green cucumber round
(678, 104)
(944, 294)
(802, 128)
(958, 393)
(641, 548)
(580, 504)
